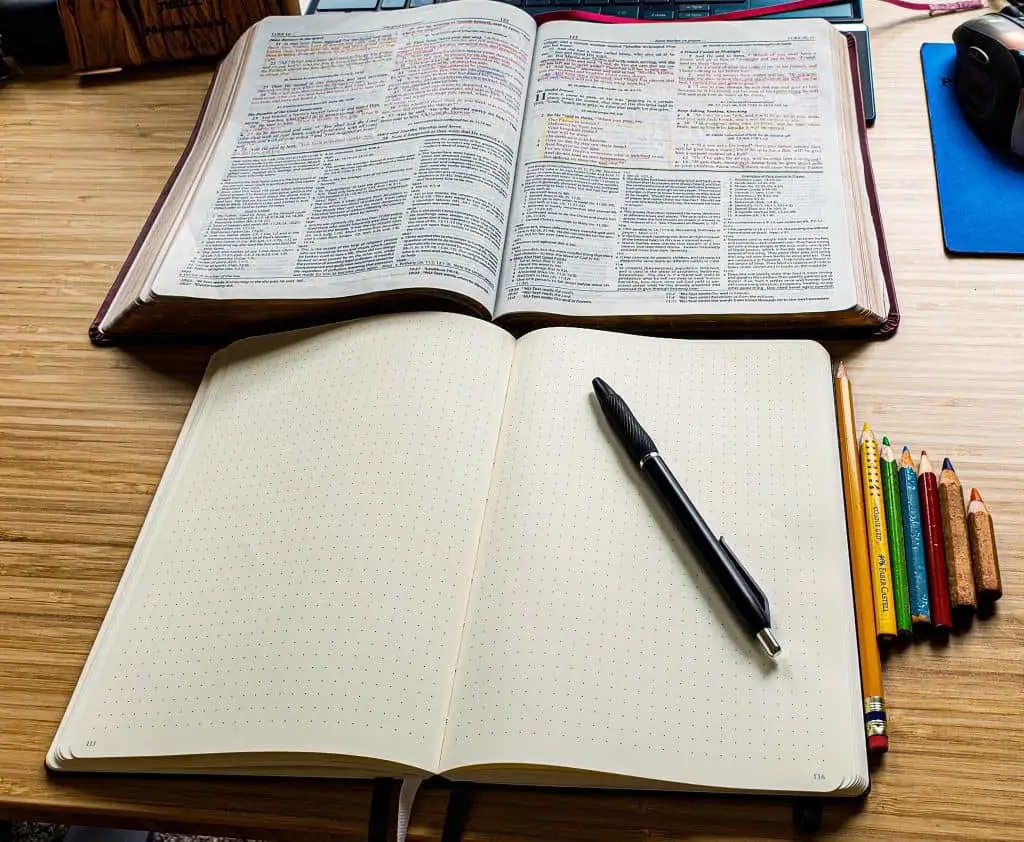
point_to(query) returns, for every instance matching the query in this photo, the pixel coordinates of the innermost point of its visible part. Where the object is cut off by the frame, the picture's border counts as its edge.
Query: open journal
(651, 177)
(410, 544)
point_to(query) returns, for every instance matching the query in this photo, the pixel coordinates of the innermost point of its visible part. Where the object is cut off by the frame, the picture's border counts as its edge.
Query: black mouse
(990, 77)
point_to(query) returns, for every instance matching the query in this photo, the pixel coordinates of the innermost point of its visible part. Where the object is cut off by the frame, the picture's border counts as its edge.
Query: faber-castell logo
(883, 581)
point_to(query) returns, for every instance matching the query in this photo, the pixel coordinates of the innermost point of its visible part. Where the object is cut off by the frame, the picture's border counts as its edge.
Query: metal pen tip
(768, 642)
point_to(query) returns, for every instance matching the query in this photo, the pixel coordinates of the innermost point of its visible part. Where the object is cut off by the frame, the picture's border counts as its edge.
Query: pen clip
(762, 600)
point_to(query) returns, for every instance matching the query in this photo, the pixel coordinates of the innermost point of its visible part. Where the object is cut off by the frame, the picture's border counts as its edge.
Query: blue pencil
(913, 538)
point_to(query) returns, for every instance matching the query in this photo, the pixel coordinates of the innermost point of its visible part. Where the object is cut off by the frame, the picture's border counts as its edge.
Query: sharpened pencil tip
(947, 465)
(976, 496)
(925, 465)
(841, 369)
(906, 460)
(885, 441)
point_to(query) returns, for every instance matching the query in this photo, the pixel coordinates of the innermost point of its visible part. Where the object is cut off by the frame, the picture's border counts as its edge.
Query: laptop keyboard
(648, 10)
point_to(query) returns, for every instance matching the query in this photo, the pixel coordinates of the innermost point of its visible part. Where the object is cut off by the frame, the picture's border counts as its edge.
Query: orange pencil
(875, 725)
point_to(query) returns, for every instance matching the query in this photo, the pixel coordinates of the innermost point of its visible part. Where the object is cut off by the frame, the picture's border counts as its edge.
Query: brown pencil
(983, 549)
(962, 596)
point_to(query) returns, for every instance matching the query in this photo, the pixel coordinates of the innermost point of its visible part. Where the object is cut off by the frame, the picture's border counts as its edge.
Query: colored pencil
(894, 525)
(878, 536)
(913, 542)
(934, 544)
(962, 596)
(983, 549)
(875, 725)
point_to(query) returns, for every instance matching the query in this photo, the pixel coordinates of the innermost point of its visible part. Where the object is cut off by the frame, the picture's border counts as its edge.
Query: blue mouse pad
(981, 192)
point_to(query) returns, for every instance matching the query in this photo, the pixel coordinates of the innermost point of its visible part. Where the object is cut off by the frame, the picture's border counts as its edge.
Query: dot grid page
(595, 639)
(302, 579)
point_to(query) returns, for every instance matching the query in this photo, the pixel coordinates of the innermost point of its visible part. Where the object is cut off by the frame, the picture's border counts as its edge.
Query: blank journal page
(300, 584)
(596, 641)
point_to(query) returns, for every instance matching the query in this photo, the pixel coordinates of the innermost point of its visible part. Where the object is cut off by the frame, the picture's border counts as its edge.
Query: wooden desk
(84, 434)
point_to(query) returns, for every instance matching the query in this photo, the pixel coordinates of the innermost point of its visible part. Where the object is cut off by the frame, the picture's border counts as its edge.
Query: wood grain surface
(85, 433)
(118, 33)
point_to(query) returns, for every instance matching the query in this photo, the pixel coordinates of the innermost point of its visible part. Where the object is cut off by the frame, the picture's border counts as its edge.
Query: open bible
(410, 544)
(651, 177)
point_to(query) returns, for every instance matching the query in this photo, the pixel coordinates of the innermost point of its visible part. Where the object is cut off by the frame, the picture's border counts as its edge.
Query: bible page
(363, 153)
(597, 650)
(300, 584)
(692, 169)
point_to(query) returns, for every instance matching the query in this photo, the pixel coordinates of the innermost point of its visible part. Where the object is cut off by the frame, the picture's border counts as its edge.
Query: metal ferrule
(648, 458)
(875, 724)
(768, 642)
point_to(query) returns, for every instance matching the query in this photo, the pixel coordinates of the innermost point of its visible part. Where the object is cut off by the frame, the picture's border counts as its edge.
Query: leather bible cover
(884, 331)
(103, 34)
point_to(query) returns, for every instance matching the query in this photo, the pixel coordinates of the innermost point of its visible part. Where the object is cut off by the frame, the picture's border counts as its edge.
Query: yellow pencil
(876, 728)
(878, 536)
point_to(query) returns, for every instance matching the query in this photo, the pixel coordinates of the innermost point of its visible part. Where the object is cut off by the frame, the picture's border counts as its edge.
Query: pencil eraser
(878, 743)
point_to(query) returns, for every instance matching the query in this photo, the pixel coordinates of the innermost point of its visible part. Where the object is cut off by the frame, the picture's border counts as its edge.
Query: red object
(878, 743)
(935, 550)
(774, 9)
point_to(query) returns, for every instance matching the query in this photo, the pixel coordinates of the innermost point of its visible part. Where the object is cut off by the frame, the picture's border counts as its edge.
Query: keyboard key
(623, 11)
(414, 3)
(687, 14)
(346, 5)
(657, 13)
(702, 8)
(594, 9)
(392, 4)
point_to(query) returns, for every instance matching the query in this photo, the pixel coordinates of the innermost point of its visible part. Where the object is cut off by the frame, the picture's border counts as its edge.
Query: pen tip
(947, 465)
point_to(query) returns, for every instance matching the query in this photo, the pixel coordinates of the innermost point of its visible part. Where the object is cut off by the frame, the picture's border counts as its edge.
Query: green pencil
(894, 522)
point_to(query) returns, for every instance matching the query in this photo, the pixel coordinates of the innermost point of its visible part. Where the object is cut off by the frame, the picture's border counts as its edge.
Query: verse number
(819, 776)
(90, 743)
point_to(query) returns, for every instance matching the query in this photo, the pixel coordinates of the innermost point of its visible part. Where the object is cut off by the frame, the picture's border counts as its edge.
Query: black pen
(741, 592)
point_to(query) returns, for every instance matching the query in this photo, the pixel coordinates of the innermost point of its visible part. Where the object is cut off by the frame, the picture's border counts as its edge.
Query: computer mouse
(990, 77)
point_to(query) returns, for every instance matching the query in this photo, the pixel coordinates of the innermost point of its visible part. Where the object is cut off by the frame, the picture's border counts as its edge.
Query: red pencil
(934, 544)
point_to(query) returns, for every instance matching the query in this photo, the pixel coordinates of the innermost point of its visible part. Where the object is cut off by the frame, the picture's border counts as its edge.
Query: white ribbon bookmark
(406, 796)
